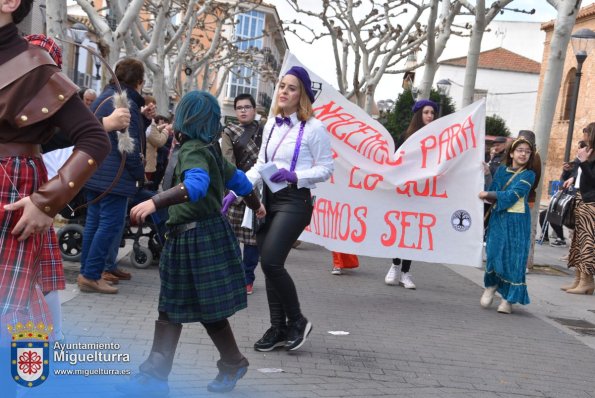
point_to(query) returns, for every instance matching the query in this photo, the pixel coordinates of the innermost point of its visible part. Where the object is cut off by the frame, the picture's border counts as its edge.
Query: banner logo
(30, 358)
(461, 220)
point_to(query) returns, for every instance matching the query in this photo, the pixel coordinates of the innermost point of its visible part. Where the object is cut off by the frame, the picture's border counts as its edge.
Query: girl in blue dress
(508, 239)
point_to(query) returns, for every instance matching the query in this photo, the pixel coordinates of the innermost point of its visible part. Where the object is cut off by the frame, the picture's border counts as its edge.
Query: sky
(319, 59)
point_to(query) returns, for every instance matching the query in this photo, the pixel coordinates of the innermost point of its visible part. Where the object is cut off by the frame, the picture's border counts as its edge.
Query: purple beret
(303, 76)
(422, 103)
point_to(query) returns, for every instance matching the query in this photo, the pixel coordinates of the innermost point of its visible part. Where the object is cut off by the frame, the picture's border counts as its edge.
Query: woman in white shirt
(299, 145)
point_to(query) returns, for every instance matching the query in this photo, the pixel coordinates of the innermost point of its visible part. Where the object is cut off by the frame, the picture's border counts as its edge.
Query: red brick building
(585, 111)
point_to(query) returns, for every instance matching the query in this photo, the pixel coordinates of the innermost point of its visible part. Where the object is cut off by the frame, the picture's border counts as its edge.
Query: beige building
(585, 111)
(272, 48)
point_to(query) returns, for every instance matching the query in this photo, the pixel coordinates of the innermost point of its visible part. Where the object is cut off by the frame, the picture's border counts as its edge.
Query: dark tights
(222, 336)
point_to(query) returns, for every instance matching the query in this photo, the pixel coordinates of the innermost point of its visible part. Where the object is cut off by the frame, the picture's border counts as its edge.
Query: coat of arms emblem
(30, 356)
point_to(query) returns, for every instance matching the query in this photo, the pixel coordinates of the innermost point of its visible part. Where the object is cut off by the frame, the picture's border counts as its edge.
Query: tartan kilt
(202, 279)
(235, 215)
(33, 266)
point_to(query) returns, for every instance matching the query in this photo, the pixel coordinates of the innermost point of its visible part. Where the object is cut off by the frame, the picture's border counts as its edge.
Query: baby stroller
(152, 231)
(70, 236)
(148, 239)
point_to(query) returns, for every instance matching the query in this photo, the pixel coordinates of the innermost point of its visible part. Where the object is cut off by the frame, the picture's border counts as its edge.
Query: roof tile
(500, 59)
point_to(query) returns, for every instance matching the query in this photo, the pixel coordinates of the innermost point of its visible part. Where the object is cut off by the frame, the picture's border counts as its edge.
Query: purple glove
(227, 202)
(284, 175)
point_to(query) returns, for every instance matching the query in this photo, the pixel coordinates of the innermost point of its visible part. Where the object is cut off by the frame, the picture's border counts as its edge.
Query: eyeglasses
(524, 151)
(245, 108)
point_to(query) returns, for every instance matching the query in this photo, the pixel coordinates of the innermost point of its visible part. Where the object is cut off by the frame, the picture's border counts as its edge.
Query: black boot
(152, 379)
(232, 365)
(228, 376)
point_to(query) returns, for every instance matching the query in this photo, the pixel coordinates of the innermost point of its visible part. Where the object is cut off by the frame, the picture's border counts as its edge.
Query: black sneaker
(558, 243)
(272, 338)
(297, 334)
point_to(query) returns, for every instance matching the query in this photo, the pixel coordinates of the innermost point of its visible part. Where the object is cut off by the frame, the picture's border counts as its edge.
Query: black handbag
(561, 209)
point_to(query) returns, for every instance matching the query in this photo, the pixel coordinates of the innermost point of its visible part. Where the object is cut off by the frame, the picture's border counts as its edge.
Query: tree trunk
(431, 63)
(55, 19)
(369, 99)
(567, 12)
(473, 56)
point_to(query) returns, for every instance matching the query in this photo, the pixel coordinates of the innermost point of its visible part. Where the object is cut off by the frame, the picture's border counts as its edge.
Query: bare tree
(483, 18)
(56, 23)
(366, 38)
(436, 40)
(156, 39)
(111, 40)
(208, 56)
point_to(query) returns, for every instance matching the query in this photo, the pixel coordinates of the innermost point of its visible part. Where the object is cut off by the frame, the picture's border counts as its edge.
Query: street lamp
(443, 89)
(385, 105)
(97, 66)
(582, 44)
(414, 93)
(79, 33)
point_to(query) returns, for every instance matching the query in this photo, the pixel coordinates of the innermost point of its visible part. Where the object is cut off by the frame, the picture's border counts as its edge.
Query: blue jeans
(103, 229)
(249, 262)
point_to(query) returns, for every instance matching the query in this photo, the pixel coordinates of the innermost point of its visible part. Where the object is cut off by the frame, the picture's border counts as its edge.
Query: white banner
(419, 203)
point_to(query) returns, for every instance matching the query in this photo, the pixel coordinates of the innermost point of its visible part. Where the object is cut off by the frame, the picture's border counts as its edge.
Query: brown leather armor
(252, 200)
(53, 196)
(173, 196)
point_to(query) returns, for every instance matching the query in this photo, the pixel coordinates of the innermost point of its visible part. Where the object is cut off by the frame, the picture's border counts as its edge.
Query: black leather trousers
(288, 212)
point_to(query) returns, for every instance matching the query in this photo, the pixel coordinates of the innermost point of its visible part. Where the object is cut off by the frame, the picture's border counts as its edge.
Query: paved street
(433, 342)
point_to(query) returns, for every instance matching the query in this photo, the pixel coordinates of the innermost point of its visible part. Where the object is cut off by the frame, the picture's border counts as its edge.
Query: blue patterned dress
(509, 235)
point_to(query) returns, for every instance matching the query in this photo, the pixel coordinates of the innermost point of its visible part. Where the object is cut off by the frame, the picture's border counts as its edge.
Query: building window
(248, 32)
(479, 94)
(567, 99)
(242, 81)
(249, 27)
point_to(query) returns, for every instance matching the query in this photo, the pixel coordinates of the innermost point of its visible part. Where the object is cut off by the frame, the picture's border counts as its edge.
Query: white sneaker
(336, 271)
(405, 280)
(393, 275)
(505, 307)
(488, 296)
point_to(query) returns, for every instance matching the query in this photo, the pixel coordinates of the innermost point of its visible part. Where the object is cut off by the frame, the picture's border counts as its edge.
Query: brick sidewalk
(432, 342)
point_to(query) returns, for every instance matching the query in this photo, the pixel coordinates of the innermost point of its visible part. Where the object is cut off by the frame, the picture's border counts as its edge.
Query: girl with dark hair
(424, 112)
(299, 145)
(509, 230)
(582, 249)
(202, 279)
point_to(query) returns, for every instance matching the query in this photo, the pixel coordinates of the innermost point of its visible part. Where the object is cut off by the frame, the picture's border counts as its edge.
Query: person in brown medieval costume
(35, 98)
(240, 144)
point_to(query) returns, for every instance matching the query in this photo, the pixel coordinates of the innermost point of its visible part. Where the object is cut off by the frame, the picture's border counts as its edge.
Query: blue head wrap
(198, 116)
(423, 103)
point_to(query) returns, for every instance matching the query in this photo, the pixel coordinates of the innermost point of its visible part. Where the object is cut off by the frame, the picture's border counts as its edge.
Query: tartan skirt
(202, 279)
(30, 267)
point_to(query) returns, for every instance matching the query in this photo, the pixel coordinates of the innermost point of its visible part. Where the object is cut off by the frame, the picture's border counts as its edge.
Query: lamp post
(97, 66)
(414, 93)
(582, 43)
(443, 89)
(79, 33)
